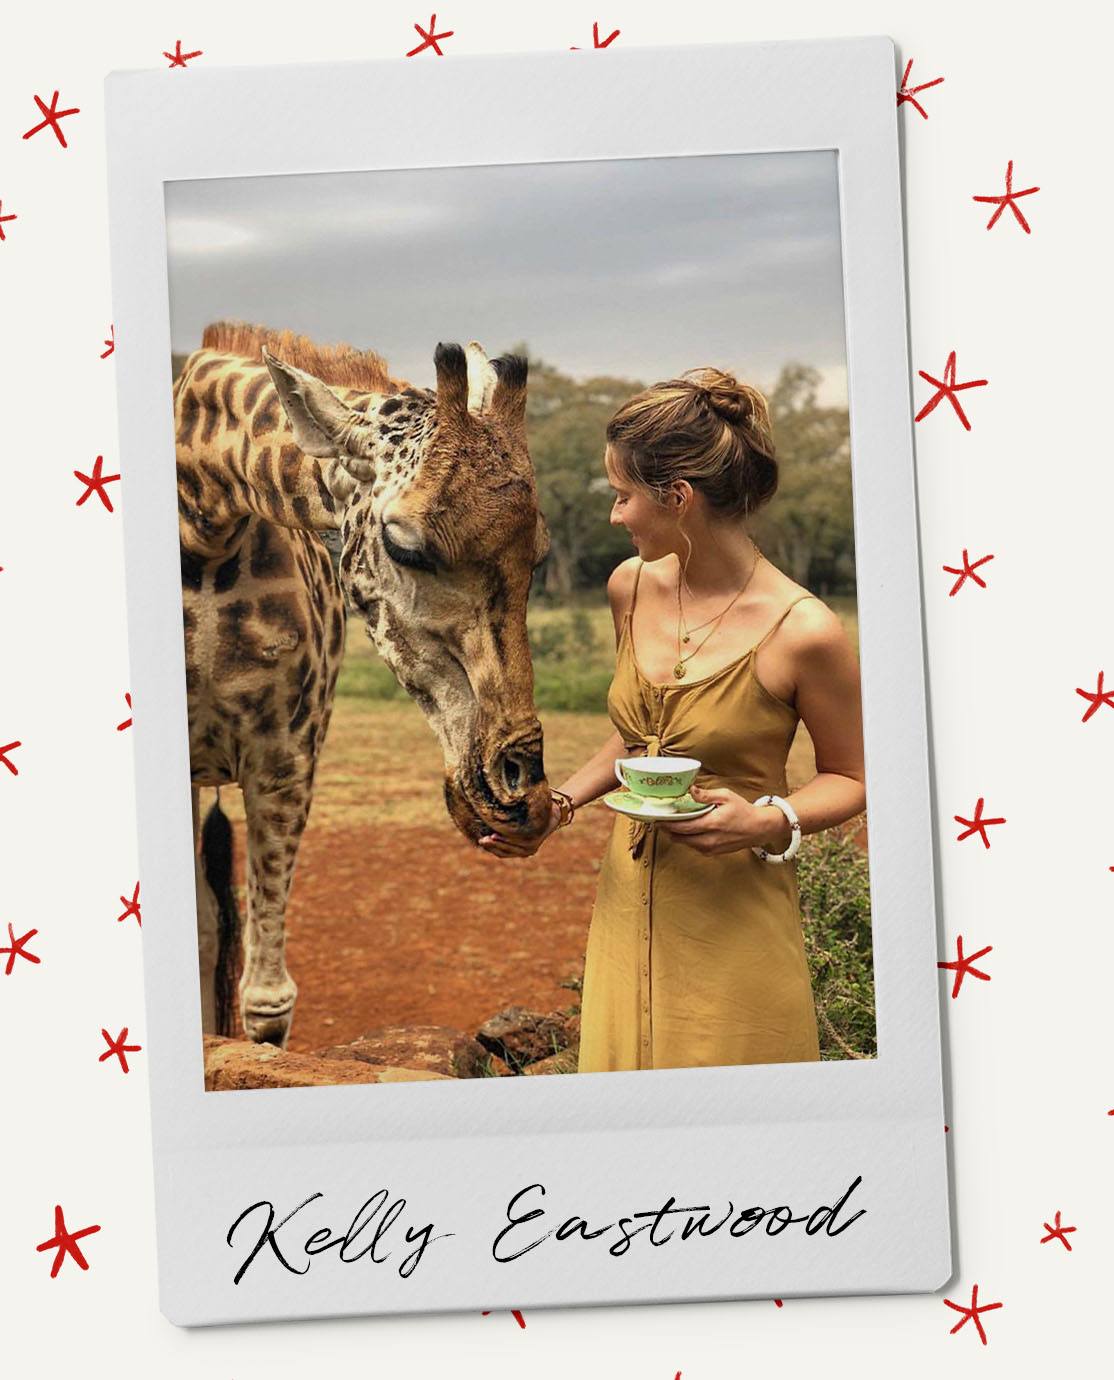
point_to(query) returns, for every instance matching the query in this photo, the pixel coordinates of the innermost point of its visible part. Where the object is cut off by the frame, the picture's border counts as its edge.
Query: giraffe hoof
(268, 1013)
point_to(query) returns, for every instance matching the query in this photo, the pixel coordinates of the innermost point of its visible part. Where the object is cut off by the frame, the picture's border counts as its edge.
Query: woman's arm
(829, 701)
(597, 775)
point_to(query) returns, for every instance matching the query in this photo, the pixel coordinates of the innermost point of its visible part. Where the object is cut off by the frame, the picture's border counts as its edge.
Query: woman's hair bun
(736, 403)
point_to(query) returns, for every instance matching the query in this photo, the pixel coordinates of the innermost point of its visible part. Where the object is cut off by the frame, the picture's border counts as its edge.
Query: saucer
(623, 802)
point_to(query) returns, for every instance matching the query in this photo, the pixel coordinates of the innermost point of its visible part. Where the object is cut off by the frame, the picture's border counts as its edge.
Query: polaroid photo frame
(678, 1184)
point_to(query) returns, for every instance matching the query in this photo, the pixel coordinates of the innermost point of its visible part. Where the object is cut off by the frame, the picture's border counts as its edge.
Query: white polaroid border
(407, 1197)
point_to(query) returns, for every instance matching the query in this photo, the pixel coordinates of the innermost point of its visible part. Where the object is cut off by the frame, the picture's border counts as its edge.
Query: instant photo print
(395, 343)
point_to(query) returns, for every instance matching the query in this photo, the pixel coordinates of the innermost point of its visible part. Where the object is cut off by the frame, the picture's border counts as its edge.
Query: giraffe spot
(254, 389)
(270, 553)
(266, 419)
(192, 570)
(211, 412)
(227, 574)
(228, 388)
(190, 411)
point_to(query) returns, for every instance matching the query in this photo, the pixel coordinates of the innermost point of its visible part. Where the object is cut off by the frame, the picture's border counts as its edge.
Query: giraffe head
(440, 534)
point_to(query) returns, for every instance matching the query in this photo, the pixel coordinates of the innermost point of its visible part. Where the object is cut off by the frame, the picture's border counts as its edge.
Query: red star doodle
(1058, 1233)
(127, 722)
(516, 1313)
(574, 48)
(53, 115)
(1009, 199)
(1098, 699)
(3, 219)
(8, 747)
(905, 92)
(430, 38)
(962, 965)
(178, 58)
(110, 342)
(119, 1048)
(66, 1242)
(978, 825)
(131, 907)
(15, 949)
(95, 484)
(967, 571)
(972, 1314)
(948, 388)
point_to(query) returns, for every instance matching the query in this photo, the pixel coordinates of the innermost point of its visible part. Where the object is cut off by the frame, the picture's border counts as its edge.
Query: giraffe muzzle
(507, 793)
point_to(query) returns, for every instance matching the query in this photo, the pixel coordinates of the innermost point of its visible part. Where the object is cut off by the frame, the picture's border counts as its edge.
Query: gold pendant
(679, 670)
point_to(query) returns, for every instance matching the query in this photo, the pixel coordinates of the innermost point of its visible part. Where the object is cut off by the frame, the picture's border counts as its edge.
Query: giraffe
(433, 494)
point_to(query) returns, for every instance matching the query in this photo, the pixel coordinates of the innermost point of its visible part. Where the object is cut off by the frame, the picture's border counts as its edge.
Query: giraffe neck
(237, 457)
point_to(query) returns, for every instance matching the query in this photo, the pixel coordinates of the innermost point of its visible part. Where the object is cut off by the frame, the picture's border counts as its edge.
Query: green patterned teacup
(657, 778)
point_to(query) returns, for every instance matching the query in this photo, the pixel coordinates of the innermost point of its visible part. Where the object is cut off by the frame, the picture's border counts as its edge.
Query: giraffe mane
(341, 365)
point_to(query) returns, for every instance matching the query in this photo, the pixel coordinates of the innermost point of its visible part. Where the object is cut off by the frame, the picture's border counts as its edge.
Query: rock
(437, 1048)
(564, 1061)
(497, 1067)
(522, 1037)
(232, 1064)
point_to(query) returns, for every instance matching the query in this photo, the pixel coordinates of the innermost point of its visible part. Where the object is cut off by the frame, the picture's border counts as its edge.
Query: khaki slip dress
(695, 959)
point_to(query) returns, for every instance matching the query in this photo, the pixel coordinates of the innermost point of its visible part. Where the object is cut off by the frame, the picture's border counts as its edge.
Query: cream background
(1029, 1082)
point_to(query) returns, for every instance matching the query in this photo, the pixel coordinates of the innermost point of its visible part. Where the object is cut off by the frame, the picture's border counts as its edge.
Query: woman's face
(652, 526)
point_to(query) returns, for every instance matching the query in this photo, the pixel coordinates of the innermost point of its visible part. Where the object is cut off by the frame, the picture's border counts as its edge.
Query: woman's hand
(520, 848)
(733, 825)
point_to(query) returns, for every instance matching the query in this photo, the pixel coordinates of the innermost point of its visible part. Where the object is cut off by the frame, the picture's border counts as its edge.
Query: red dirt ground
(395, 919)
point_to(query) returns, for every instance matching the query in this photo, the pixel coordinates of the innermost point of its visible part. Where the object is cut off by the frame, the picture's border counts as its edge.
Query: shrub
(833, 876)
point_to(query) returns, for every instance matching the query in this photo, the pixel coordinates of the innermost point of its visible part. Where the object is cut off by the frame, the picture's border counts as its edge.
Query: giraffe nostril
(512, 774)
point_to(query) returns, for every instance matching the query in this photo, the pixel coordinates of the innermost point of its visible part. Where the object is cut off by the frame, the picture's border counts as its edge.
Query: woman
(695, 953)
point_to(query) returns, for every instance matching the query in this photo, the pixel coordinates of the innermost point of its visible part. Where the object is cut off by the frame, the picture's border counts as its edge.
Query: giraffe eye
(413, 557)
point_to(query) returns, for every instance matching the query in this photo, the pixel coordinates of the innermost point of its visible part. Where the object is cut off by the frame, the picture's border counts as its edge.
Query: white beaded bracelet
(794, 823)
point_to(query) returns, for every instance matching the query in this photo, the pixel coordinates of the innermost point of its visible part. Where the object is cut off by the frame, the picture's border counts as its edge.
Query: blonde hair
(705, 427)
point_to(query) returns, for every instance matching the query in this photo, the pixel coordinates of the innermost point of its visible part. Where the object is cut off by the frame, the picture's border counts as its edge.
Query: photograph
(520, 619)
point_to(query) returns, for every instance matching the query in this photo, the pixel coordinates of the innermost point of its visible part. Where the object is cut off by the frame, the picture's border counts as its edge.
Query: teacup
(657, 778)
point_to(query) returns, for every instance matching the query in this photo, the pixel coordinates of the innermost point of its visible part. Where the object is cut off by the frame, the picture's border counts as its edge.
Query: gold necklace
(689, 631)
(680, 669)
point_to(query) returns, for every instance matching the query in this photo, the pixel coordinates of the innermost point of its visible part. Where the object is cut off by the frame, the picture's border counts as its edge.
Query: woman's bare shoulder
(620, 583)
(810, 622)
(813, 629)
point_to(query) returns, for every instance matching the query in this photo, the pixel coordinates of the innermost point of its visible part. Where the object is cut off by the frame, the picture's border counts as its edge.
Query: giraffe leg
(275, 820)
(206, 926)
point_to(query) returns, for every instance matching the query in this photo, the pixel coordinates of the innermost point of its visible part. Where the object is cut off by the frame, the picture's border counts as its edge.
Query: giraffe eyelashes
(412, 557)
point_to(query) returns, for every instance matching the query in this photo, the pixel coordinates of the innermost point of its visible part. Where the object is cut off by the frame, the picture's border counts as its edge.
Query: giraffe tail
(216, 858)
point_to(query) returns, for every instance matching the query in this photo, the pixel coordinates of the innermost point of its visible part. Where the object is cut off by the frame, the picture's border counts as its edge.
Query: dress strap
(784, 616)
(634, 587)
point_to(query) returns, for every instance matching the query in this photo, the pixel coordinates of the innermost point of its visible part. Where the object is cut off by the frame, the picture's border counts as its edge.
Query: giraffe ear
(323, 425)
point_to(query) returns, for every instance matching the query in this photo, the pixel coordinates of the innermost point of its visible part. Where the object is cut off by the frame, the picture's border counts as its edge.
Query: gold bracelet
(565, 806)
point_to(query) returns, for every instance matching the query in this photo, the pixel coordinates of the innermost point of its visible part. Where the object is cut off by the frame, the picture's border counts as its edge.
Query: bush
(833, 875)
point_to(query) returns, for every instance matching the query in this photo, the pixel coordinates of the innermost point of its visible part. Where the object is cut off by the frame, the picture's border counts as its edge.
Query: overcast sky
(640, 268)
